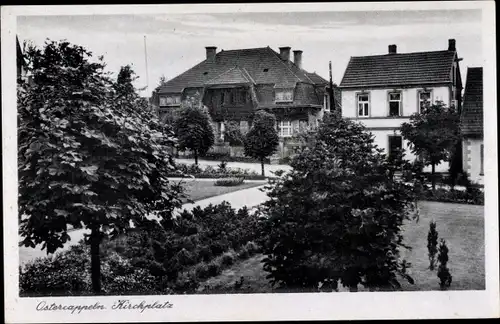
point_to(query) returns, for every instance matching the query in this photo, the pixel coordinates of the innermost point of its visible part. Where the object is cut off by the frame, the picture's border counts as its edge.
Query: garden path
(250, 197)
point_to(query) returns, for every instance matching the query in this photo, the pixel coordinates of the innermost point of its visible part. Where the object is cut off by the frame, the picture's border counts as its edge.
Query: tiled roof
(262, 65)
(472, 111)
(316, 78)
(231, 76)
(399, 69)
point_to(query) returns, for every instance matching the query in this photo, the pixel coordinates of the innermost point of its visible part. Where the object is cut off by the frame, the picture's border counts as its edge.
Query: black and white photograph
(250, 162)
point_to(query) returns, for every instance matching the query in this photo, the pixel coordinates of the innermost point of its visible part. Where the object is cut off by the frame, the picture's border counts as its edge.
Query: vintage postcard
(250, 162)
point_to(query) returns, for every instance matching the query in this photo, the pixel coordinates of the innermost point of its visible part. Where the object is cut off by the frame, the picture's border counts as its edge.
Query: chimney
(211, 53)
(393, 49)
(452, 45)
(297, 58)
(285, 53)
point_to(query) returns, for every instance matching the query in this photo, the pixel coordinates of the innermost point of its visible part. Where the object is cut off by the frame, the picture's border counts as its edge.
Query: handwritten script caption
(121, 304)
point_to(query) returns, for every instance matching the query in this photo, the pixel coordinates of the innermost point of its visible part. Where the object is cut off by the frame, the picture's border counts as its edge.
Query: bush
(228, 258)
(66, 273)
(472, 196)
(443, 274)
(229, 182)
(338, 215)
(432, 241)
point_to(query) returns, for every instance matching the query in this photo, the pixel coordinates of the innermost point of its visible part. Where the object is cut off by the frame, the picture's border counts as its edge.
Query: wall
(379, 103)
(471, 152)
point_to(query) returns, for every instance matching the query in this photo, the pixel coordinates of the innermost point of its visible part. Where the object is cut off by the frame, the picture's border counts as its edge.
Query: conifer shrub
(432, 242)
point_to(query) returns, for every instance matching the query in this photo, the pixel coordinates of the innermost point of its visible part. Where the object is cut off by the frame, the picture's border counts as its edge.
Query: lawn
(462, 226)
(198, 190)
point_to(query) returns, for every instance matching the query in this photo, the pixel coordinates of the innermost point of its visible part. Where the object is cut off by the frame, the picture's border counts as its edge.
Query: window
(363, 105)
(395, 144)
(424, 98)
(285, 128)
(171, 100)
(395, 104)
(481, 155)
(326, 102)
(284, 95)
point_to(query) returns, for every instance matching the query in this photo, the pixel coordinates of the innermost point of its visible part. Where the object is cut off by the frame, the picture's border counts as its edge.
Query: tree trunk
(433, 178)
(196, 157)
(262, 165)
(95, 260)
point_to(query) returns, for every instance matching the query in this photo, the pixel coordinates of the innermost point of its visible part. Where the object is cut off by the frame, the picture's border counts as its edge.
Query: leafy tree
(432, 242)
(193, 129)
(233, 134)
(443, 274)
(89, 157)
(337, 215)
(262, 139)
(433, 134)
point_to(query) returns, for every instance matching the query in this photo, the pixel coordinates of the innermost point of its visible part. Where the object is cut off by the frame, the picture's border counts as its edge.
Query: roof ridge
(248, 76)
(218, 75)
(399, 54)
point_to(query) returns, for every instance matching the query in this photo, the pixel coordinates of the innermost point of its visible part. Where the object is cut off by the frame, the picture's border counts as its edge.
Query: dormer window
(284, 95)
(170, 100)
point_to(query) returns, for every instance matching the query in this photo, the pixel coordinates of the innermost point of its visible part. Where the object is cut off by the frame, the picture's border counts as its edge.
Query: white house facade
(471, 125)
(383, 91)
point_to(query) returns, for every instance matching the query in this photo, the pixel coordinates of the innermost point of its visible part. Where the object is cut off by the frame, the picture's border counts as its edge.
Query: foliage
(337, 215)
(210, 172)
(222, 166)
(195, 246)
(443, 273)
(472, 196)
(232, 134)
(89, 156)
(229, 182)
(194, 131)
(433, 133)
(262, 139)
(432, 242)
(68, 273)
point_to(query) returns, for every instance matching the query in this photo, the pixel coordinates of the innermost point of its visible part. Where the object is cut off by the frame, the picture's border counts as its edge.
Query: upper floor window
(481, 156)
(285, 128)
(233, 97)
(424, 98)
(170, 100)
(284, 95)
(395, 104)
(363, 105)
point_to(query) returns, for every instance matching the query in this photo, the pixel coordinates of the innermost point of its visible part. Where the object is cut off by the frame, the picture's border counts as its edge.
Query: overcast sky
(176, 42)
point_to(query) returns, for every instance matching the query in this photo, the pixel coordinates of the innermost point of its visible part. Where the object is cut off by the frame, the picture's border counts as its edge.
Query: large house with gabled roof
(471, 126)
(233, 84)
(383, 91)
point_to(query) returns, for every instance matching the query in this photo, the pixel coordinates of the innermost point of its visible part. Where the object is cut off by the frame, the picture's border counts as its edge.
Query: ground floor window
(395, 144)
(285, 128)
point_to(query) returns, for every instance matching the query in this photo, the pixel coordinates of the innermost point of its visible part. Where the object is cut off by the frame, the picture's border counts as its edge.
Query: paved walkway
(256, 167)
(250, 197)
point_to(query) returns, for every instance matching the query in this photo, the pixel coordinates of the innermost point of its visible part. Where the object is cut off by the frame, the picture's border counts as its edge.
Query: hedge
(154, 258)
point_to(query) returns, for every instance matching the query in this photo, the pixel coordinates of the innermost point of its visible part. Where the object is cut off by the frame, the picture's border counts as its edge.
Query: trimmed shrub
(432, 241)
(443, 273)
(229, 182)
(472, 196)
